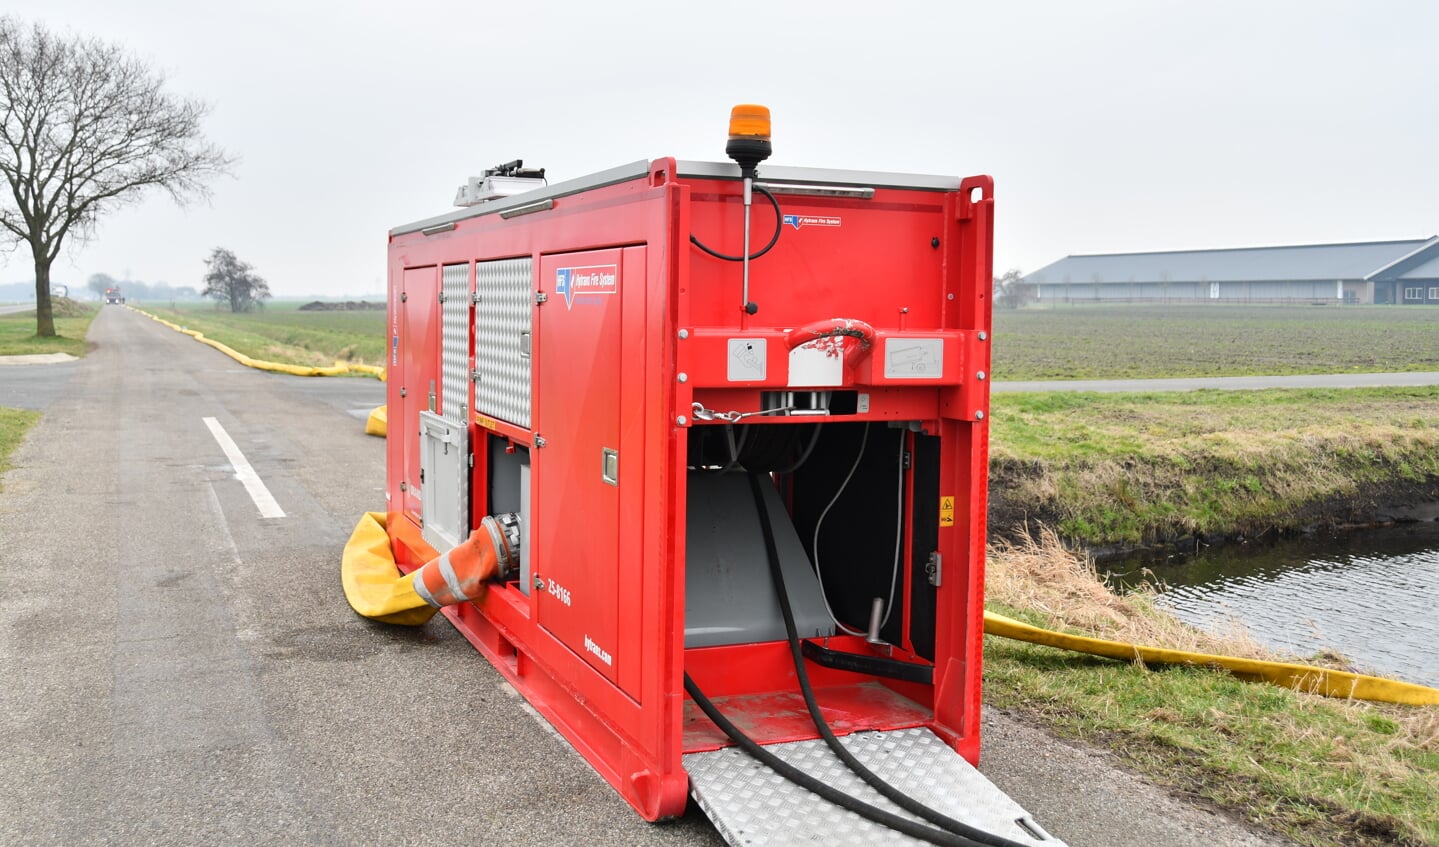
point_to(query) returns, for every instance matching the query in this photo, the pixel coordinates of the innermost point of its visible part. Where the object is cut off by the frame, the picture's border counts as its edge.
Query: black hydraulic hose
(913, 829)
(778, 226)
(904, 801)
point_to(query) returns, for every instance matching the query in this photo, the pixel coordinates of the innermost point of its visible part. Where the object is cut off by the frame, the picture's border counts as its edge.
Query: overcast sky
(1108, 126)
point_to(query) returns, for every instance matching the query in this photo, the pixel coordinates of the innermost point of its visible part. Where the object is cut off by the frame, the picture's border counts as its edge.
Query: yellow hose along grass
(339, 368)
(1330, 683)
(1041, 575)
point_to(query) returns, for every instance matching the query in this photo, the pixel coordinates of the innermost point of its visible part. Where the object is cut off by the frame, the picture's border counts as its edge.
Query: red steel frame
(909, 262)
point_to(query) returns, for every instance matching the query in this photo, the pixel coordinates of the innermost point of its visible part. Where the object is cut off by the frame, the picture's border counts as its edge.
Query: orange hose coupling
(463, 573)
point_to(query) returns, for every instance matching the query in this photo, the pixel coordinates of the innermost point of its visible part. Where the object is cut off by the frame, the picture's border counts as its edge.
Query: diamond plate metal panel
(502, 334)
(751, 805)
(455, 342)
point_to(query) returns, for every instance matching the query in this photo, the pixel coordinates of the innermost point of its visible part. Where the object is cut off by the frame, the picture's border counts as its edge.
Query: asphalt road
(179, 670)
(34, 387)
(16, 309)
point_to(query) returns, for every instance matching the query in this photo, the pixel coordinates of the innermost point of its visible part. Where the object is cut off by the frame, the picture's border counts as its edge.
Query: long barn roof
(1361, 260)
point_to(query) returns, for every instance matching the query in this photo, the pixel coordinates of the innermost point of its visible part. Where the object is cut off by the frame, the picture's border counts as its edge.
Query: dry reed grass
(1039, 573)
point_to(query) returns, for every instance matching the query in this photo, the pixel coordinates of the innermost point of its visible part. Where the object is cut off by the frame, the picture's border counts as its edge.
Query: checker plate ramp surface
(752, 806)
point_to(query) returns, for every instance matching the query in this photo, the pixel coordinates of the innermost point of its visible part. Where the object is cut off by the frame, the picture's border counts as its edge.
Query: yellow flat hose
(1330, 683)
(372, 582)
(379, 422)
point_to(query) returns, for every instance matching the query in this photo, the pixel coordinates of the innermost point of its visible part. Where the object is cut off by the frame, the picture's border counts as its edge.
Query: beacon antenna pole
(749, 144)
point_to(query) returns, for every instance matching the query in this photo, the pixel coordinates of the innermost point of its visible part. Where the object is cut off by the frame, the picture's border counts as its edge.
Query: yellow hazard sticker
(946, 511)
(487, 423)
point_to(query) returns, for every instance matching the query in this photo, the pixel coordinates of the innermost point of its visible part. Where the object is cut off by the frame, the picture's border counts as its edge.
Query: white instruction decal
(747, 359)
(913, 358)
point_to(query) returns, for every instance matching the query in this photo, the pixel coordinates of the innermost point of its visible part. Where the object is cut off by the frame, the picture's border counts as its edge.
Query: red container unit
(571, 354)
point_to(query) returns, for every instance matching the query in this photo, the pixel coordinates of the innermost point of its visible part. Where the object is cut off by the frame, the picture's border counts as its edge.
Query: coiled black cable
(894, 795)
(778, 226)
(904, 825)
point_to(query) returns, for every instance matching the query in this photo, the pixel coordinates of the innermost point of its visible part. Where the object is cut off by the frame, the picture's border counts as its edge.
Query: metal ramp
(752, 806)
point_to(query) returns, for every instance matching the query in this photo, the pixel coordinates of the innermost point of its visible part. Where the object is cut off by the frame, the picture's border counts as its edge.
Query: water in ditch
(1372, 595)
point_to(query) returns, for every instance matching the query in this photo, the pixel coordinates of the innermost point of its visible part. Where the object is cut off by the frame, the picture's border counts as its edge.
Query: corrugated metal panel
(1309, 262)
(502, 337)
(455, 342)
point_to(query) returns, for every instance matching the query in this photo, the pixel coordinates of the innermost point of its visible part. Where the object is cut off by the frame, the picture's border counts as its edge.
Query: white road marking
(264, 500)
(242, 608)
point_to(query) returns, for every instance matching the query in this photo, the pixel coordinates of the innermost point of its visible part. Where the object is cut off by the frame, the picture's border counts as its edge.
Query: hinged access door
(414, 370)
(444, 463)
(580, 472)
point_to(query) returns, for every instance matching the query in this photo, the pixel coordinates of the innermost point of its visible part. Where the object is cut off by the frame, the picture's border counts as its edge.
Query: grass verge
(1133, 469)
(289, 336)
(1320, 771)
(72, 322)
(14, 423)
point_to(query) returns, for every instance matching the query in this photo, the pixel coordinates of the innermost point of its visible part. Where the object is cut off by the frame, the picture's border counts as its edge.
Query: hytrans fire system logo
(800, 221)
(583, 285)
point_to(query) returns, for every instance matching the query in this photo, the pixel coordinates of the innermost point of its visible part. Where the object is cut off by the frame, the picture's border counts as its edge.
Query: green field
(282, 333)
(1151, 341)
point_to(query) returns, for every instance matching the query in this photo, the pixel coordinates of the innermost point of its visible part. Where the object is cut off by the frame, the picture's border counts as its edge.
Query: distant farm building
(1404, 272)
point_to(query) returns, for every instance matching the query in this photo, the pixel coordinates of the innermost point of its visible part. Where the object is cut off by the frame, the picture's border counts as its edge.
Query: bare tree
(99, 282)
(85, 128)
(1011, 291)
(233, 281)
